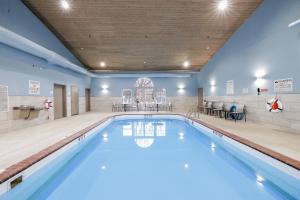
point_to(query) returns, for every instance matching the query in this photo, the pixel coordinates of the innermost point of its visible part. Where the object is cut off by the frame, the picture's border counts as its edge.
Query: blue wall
(265, 43)
(16, 70)
(16, 67)
(170, 83)
(15, 16)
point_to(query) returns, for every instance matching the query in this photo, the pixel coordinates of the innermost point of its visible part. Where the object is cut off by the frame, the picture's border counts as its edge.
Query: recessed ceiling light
(102, 64)
(186, 64)
(81, 48)
(65, 5)
(222, 5)
(186, 165)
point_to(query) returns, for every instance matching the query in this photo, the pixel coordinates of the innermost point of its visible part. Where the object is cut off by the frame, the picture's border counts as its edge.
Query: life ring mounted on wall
(48, 104)
(274, 105)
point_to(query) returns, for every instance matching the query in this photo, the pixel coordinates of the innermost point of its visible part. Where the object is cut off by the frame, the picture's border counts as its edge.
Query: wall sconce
(259, 82)
(213, 83)
(104, 89)
(181, 88)
(212, 86)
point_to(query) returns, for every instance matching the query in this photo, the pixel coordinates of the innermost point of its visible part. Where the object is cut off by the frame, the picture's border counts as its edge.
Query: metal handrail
(191, 112)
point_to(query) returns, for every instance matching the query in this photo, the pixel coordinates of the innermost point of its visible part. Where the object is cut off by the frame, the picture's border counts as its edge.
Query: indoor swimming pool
(158, 157)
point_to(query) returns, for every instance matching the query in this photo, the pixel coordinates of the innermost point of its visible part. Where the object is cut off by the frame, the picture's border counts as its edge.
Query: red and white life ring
(274, 105)
(48, 104)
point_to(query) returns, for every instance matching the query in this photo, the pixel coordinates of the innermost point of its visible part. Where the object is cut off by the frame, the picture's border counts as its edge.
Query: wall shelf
(27, 109)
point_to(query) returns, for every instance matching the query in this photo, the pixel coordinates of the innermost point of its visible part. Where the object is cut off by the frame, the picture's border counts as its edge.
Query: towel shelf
(28, 109)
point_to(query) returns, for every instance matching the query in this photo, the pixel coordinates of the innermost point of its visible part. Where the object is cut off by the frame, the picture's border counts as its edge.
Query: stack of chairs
(234, 111)
(208, 108)
(218, 108)
(226, 109)
(117, 107)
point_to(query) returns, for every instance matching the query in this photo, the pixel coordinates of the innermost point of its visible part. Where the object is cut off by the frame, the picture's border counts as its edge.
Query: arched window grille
(144, 90)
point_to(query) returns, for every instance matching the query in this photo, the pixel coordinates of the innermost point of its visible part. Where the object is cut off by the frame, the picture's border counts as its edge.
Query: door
(74, 100)
(200, 97)
(60, 107)
(87, 100)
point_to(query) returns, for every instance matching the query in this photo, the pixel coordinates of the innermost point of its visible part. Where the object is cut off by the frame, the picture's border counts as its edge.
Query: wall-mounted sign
(230, 87)
(3, 98)
(283, 85)
(264, 90)
(34, 87)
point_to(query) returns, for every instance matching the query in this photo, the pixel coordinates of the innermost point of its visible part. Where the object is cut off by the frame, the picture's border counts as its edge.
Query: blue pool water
(152, 159)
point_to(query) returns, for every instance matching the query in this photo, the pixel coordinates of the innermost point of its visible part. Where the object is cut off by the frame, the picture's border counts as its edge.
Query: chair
(133, 107)
(239, 112)
(208, 108)
(200, 108)
(149, 106)
(218, 108)
(116, 107)
(226, 109)
(169, 106)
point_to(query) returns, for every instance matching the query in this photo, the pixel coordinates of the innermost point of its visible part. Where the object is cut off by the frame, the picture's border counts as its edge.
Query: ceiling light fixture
(102, 64)
(222, 5)
(186, 64)
(65, 5)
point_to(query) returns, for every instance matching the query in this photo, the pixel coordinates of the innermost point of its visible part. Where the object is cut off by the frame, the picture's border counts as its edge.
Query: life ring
(48, 104)
(274, 105)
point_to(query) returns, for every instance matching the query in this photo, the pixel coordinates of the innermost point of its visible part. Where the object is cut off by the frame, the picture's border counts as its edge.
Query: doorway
(200, 97)
(74, 100)
(60, 107)
(87, 100)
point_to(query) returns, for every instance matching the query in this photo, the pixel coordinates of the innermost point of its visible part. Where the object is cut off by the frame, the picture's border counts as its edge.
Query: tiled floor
(265, 135)
(18, 145)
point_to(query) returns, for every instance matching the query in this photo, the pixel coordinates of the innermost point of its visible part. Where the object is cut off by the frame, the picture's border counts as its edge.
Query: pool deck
(18, 145)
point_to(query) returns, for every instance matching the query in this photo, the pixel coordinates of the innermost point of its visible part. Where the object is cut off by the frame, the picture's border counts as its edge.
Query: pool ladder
(189, 114)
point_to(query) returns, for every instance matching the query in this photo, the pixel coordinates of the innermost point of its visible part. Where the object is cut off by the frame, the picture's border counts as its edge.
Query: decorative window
(161, 96)
(126, 96)
(144, 90)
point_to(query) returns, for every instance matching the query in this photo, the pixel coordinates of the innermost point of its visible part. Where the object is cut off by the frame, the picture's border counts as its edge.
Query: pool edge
(17, 168)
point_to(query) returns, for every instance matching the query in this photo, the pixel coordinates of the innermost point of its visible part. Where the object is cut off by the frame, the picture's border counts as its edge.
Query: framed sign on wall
(34, 87)
(230, 87)
(283, 85)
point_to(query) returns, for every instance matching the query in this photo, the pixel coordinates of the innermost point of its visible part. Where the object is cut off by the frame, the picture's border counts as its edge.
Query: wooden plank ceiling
(134, 35)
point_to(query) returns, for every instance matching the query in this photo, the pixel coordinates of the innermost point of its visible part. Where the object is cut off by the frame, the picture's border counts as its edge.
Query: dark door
(200, 97)
(60, 108)
(74, 100)
(87, 100)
